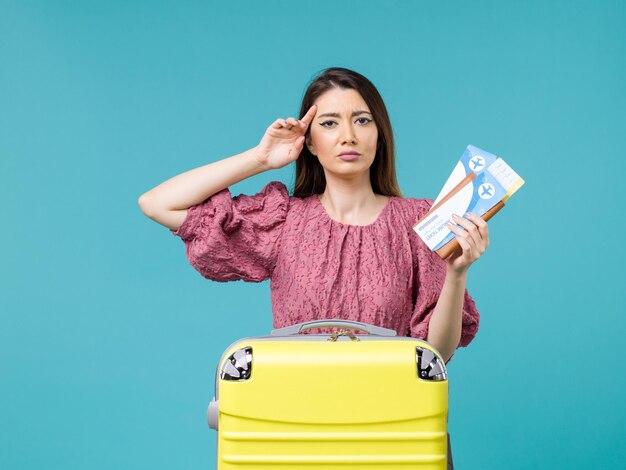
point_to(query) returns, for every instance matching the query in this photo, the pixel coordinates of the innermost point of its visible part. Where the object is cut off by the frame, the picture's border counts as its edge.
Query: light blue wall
(109, 339)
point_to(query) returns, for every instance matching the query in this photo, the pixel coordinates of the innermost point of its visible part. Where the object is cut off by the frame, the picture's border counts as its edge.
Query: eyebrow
(355, 113)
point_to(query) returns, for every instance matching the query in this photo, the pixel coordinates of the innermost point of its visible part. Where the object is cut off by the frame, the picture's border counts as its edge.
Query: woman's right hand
(283, 140)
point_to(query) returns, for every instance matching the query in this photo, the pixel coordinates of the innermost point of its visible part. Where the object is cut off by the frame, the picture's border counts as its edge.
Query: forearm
(194, 186)
(444, 329)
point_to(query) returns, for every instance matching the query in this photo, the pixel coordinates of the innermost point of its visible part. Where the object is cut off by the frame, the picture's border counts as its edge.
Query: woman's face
(343, 122)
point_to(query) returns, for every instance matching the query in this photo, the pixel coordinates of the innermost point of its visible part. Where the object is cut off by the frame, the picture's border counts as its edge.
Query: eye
(323, 124)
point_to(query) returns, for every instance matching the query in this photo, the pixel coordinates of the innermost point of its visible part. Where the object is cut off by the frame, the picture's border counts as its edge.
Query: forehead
(340, 101)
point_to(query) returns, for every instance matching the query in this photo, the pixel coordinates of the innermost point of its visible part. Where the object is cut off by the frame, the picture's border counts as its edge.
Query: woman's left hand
(473, 238)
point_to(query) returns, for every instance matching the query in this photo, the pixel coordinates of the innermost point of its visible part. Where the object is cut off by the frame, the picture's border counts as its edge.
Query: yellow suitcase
(340, 401)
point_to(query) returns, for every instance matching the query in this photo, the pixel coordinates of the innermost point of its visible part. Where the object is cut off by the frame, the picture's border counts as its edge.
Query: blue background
(109, 339)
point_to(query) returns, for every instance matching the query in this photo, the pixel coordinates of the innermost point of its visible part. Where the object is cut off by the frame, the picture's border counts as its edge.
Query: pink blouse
(319, 268)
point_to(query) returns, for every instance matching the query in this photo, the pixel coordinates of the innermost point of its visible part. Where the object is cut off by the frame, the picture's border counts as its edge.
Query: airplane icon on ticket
(477, 163)
(486, 191)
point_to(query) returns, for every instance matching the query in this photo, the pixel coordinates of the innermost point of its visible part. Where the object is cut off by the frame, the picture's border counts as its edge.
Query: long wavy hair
(310, 178)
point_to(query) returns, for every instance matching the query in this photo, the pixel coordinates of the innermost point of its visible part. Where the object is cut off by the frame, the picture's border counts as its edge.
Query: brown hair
(310, 178)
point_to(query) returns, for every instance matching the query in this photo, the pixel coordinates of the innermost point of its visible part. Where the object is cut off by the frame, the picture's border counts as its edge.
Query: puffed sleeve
(234, 238)
(430, 275)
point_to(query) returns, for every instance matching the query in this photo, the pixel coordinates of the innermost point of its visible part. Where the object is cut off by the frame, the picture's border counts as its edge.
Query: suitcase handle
(300, 327)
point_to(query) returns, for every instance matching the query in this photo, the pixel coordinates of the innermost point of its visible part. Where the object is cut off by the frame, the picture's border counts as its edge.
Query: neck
(349, 199)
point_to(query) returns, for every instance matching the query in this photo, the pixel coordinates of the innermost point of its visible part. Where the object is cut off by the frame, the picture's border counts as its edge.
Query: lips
(349, 156)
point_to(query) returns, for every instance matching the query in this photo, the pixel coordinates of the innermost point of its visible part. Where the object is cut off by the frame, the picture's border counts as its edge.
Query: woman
(342, 246)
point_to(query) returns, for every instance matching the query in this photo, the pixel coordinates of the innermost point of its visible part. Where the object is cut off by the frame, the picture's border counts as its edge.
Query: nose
(348, 135)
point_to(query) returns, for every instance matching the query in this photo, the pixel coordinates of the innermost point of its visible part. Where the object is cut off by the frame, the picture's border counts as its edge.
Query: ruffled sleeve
(235, 238)
(430, 275)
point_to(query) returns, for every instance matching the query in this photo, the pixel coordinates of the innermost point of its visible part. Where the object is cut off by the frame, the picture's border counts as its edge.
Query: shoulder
(264, 210)
(413, 209)
(274, 189)
(273, 195)
(276, 193)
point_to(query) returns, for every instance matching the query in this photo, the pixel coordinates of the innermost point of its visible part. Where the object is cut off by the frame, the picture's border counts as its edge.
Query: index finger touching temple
(306, 119)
